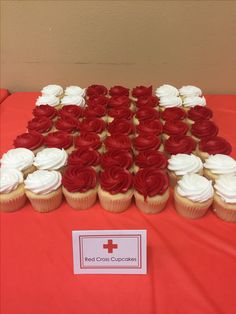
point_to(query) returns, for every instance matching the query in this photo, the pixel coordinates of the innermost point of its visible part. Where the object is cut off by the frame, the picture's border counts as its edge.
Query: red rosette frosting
(175, 128)
(40, 124)
(118, 141)
(118, 91)
(151, 101)
(96, 90)
(180, 144)
(88, 140)
(142, 91)
(67, 124)
(121, 113)
(45, 111)
(59, 139)
(200, 113)
(95, 125)
(95, 112)
(97, 101)
(215, 145)
(116, 180)
(204, 128)
(117, 157)
(79, 179)
(146, 142)
(171, 114)
(84, 157)
(71, 111)
(153, 127)
(151, 182)
(31, 140)
(147, 113)
(119, 101)
(122, 126)
(151, 159)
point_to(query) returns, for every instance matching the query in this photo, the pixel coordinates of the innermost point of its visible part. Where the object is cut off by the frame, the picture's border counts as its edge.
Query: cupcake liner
(45, 202)
(80, 201)
(209, 175)
(224, 211)
(14, 200)
(152, 205)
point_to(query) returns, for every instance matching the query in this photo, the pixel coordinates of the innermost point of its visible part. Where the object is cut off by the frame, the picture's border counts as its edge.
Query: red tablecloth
(4, 93)
(191, 264)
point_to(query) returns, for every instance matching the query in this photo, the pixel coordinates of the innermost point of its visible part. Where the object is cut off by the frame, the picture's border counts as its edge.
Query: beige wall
(118, 42)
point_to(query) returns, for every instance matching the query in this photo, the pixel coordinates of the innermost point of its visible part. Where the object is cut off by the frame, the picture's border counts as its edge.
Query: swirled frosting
(51, 159)
(119, 101)
(59, 139)
(221, 164)
(215, 145)
(190, 90)
(120, 113)
(204, 128)
(117, 157)
(142, 91)
(166, 90)
(180, 144)
(9, 179)
(84, 157)
(45, 110)
(54, 90)
(195, 188)
(71, 111)
(87, 140)
(146, 113)
(95, 125)
(151, 158)
(18, 158)
(47, 100)
(193, 101)
(119, 91)
(31, 140)
(40, 124)
(73, 100)
(175, 128)
(174, 113)
(170, 101)
(150, 101)
(120, 126)
(146, 142)
(225, 187)
(118, 141)
(96, 90)
(200, 113)
(183, 164)
(75, 90)
(43, 181)
(97, 101)
(67, 124)
(95, 111)
(153, 127)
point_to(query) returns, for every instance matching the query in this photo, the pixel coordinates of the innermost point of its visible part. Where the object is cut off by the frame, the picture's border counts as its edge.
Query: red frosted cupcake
(213, 145)
(117, 157)
(40, 124)
(203, 129)
(145, 113)
(60, 140)
(71, 111)
(121, 126)
(96, 111)
(67, 124)
(45, 111)
(153, 127)
(96, 90)
(174, 128)
(118, 91)
(180, 144)
(32, 140)
(79, 186)
(172, 114)
(146, 142)
(116, 189)
(88, 140)
(119, 113)
(141, 91)
(198, 113)
(85, 157)
(151, 190)
(118, 141)
(119, 101)
(94, 125)
(97, 101)
(150, 159)
(149, 101)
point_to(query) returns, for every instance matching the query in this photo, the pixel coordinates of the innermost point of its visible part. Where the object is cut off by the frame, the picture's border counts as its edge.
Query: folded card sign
(109, 252)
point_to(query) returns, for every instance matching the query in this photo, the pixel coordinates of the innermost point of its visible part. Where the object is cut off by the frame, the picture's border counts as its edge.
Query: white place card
(110, 252)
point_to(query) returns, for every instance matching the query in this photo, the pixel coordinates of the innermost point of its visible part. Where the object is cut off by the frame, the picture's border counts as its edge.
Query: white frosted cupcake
(190, 91)
(192, 101)
(75, 90)
(181, 164)
(43, 189)
(73, 100)
(166, 90)
(20, 159)
(224, 204)
(52, 90)
(12, 193)
(218, 164)
(169, 102)
(51, 159)
(193, 196)
(49, 100)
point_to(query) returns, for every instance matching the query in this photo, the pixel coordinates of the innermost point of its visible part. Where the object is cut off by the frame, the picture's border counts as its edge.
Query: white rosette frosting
(193, 101)
(195, 188)
(183, 164)
(73, 100)
(221, 164)
(189, 91)
(50, 100)
(43, 181)
(166, 90)
(17, 158)
(51, 159)
(225, 187)
(9, 179)
(53, 90)
(75, 90)
(170, 101)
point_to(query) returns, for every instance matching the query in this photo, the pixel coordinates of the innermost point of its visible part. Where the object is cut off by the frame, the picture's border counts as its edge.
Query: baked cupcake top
(70, 111)
(170, 102)
(183, 164)
(190, 90)
(146, 142)
(119, 101)
(122, 126)
(75, 90)
(79, 179)
(73, 100)
(142, 91)
(193, 101)
(40, 124)
(95, 125)
(43, 181)
(118, 141)
(117, 157)
(49, 100)
(172, 114)
(120, 113)
(88, 140)
(225, 187)
(67, 124)
(9, 179)
(150, 101)
(146, 113)
(215, 145)
(95, 111)
(45, 111)
(118, 91)
(199, 113)
(51, 159)
(52, 90)
(59, 139)
(204, 128)
(18, 158)
(180, 144)
(220, 164)
(151, 182)
(97, 101)
(151, 159)
(175, 128)
(84, 157)
(153, 127)
(96, 90)
(116, 180)
(31, 140)
(166, 90)
(195, 188)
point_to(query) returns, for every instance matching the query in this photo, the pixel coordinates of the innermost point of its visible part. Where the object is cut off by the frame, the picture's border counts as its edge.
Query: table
(191, 264)
(4, 93)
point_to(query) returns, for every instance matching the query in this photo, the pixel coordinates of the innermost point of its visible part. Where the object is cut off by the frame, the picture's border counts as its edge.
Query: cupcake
(119, 113)
(89, 140)
(96, 90)
(80, 187)
(43, 189)
(67, 124)
(119, 102)
(198, 113)
(45, 111)
(121, 126)
(192, 101)
(213, 145)
(181, 164)
(180, 144)
(61, 140)
(166, 90)
(115, 190)
(149, 127)
(40, 124)
(118, 91)
(33, 141)
(12, 193)
(145, 113)
(49, 100)
(71, 111)
(173, 114)
(118, 141)
(52, 90)
(172, 128)
(94, 125)
(147, 101)
(147, 142)
(85, 157)
(190, 91)
(141, 91)
(150, 159)
(96, 111)
(204, 129)
(151, 190)
(73, 100)
(224, 204)
(51, 159)
(20, 159)
(218, 164)
(193, 196)
(169, 102)
(97, 101)
(117, 157)
(75, 90)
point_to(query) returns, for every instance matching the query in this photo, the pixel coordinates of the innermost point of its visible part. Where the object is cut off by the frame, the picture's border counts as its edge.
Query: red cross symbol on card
(110, 246)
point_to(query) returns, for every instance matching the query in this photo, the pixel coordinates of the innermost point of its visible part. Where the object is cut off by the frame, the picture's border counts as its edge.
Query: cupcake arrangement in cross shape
(118, 145)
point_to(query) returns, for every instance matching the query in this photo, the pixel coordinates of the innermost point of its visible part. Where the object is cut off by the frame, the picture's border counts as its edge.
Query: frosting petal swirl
(88, 140)
(142, 91)
(146, 113)
(146, 142)
(9, 179)
(40, 124)
(49, 100)
(59, 139)
(51, 159)
(43, 181)
(215, 145)
(95, 125)
(183, 164)
(54, 90)
(73, 100)
(120, 113)
(67, 124)
(31, 140)
(118, 141)
(151, 158)
(18, 158)
(119, 91)
(75, 90)
(190, 90)
(97, 101)
(177, 144)
(193, 101)
(170, 101)
(172, 114)
(120, 126)
(175, 128)
(153, 127)
(149, 101)
(166, 90)
(204, 128)
(221, 164)
(84, 157)
(71, 111)
(225, 187)
(117, 157)
(96, 90)
(200, 113)
(45, 110)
